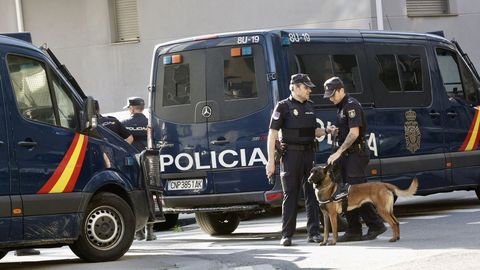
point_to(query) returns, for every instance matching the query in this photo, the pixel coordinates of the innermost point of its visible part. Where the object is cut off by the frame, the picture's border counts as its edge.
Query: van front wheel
(107, 230)
(218, 223)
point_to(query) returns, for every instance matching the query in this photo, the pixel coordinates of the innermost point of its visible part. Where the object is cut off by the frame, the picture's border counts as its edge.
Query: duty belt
(298, 147)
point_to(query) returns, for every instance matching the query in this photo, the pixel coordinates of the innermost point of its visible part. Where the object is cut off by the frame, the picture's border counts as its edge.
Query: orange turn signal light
(176, 59)
(235, 52)
(17, 211)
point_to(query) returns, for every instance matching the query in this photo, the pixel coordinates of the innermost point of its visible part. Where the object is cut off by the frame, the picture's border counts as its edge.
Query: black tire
(218, 223)
(107, 230)
(170, 222)
(478, 192)
(3, 253)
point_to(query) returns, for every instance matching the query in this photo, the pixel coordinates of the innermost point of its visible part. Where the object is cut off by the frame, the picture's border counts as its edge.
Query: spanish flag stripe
(474, 138)
(58, 172)
(78, 167)
(471, 136)
(68, 171)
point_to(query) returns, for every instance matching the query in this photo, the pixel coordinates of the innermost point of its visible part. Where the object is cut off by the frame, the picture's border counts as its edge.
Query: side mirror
(89, 119)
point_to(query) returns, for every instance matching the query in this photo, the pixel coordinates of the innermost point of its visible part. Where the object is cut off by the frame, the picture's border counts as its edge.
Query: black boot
(341, 192)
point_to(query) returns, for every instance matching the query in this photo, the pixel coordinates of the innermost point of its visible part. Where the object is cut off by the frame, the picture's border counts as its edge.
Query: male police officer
(113, 124)
(353, 156)
(295, 118)
(137, 124)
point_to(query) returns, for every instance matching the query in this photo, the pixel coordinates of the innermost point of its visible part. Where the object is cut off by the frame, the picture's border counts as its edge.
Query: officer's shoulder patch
(276, 115)
(351, 113)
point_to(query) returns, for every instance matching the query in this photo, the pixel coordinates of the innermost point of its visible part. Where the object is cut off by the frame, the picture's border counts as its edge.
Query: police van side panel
(415, 126)
(323, 54)
(409, 123)
(60, 177)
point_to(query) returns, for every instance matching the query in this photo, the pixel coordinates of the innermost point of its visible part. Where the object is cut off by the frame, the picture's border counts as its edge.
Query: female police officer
(295, 118)
(354, 157)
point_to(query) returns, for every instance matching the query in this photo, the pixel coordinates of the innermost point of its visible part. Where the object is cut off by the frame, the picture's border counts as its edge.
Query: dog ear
(326, 168)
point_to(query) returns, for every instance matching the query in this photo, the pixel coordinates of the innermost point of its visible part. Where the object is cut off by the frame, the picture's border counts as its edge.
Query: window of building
(421, 8)
(125, 20)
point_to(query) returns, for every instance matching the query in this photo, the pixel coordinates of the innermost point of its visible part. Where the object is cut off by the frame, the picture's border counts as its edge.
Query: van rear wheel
(218, 223)
(170, 222)
(107, 230)
(478, 192)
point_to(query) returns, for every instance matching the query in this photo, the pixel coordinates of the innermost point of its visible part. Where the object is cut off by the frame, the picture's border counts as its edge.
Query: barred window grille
(126, 20)
(417, 8)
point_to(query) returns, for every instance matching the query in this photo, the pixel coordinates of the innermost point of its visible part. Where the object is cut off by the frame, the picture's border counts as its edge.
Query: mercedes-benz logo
(206, 111)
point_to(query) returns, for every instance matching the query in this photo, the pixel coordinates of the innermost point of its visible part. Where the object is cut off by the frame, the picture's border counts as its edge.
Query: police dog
(380, 194)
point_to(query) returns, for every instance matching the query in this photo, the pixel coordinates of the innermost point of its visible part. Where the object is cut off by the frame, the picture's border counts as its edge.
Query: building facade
(108, 44)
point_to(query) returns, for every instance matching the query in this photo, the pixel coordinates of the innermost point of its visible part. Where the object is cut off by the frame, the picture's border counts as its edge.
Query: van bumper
(228, 202)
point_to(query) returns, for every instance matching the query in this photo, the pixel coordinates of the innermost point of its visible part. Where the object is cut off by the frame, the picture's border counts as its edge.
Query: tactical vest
(300, 123)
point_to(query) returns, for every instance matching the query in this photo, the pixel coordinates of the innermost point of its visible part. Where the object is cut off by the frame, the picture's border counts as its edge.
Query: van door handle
(452, 114)
(434, 114)
(220, 142)
(27, 144)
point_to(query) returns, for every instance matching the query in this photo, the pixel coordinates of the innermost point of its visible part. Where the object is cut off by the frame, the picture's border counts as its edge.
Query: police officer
(113, 124)
(137, 124)
(296, 119)
(353, 157)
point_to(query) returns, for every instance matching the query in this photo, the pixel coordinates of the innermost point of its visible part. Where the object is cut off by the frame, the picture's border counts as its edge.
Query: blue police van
(212, 96)
(64, 181)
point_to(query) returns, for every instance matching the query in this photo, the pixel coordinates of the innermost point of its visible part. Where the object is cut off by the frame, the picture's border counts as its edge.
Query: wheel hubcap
(104, 227)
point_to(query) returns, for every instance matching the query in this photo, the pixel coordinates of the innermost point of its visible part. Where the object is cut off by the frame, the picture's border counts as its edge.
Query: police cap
(331, 85)
(134, 101)
(301, 78)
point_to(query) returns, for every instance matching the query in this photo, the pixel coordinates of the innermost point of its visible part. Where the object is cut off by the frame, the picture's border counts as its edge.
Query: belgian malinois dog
(380, 194)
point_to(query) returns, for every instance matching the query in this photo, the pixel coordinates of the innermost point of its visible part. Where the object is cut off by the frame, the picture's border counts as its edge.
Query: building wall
(8, 19)
(80, 31)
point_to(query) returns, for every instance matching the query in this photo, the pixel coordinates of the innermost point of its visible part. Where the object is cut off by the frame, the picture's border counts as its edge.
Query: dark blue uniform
(354, 161)
(114, 125)
(137, 125)
(297, 123)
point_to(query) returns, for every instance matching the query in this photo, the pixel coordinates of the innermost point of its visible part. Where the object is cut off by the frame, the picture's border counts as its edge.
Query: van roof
(7, 40)
(317, 32)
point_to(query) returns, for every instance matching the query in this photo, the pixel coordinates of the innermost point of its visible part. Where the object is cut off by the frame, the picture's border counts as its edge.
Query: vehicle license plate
(185, 184)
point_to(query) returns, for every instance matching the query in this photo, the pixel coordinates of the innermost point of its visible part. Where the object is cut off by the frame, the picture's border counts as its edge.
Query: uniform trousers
(295, 169)
(353, 167)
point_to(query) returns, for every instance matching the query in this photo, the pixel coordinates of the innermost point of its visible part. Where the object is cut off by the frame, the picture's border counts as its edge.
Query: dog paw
(393, 240)
(331, 243)
(323, 243)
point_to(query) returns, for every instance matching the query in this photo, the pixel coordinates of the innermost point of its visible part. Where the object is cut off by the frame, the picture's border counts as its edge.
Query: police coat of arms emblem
(412, 132)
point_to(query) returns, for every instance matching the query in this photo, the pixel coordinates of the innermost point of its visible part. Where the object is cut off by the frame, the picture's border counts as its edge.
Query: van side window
(66, 108)
(458, 80)
(320, 67)
(35, 100)
(452, 82)
(176, 85)
(400, 72)
(239, 78)
(30, 85)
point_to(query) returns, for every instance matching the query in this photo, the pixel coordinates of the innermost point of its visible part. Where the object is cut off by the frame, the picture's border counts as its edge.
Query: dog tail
(407, 192)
